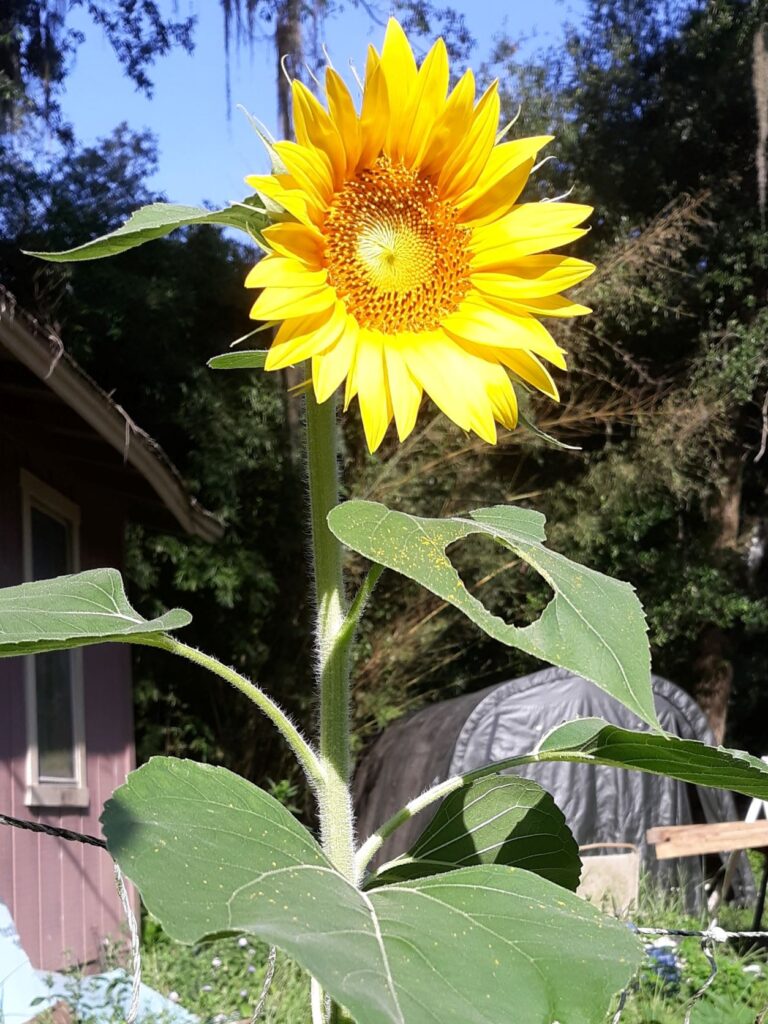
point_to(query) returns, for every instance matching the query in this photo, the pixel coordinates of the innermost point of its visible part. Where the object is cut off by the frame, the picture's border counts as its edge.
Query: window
(54, 681)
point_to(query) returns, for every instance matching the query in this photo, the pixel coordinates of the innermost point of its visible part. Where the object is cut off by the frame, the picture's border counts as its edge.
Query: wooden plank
(722, 837)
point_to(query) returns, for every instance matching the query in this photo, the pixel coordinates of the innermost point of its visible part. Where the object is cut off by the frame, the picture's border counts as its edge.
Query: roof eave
(43, 354)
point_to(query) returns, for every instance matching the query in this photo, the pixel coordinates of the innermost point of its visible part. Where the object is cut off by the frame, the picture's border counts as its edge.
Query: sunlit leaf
(156, 221)
(249, 359)
(502, 819)
(71, 611)
(212, 854)
(594, 625)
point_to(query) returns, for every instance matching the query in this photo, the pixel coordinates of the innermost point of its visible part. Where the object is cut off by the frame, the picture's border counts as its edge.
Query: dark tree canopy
(38, 45)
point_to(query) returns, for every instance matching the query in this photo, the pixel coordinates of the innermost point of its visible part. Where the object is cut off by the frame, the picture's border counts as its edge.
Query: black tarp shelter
(601, 804)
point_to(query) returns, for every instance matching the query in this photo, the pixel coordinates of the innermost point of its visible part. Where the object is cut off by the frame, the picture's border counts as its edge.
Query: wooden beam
(722, 837)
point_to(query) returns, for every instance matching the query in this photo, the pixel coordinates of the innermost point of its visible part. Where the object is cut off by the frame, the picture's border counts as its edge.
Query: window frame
(39, 792)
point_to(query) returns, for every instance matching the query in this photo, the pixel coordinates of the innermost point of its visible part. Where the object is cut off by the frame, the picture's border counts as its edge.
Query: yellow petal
(529, 228)
(404, 391)
(315, 129)
(503, 179)
(298, 339)
(283, 190)
(552, 305)
(451, 125)
(427, 103)
(344, 116)
(284, 303)
(370, 385)
(299, 241)
(449, 376)
(528, 368)
(399, 67)
(500, 391)
(331, 367)
(470, 156)
(310, 169)
(533, 277)
(484, 325)
(374, 115)
(285, 273)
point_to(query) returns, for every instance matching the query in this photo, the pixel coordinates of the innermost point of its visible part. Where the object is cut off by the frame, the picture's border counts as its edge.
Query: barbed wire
(133, 929)
(53, 830)
(708, 938)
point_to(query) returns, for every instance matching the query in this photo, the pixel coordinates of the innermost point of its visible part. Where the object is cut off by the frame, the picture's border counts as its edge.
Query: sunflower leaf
(501, 819)
(593, 741)
(594, 625)
(156, 221)
(211, 854)
(72, 611)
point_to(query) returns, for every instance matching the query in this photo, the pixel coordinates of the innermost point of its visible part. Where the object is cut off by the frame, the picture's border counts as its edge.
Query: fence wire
(709, 938)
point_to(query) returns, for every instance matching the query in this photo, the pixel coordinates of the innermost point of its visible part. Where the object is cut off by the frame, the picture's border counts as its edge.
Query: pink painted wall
(62, 895)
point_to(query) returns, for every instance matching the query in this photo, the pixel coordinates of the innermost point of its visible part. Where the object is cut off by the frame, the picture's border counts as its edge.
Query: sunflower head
(407, 264)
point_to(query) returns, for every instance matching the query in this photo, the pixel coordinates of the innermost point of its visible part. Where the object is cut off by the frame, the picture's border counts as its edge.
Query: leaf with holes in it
(156, 221)
(501, 819)
(594, 625)
(211, 854)
(72, 611)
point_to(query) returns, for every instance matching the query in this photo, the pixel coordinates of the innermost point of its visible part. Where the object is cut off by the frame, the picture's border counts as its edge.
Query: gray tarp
(600, 804)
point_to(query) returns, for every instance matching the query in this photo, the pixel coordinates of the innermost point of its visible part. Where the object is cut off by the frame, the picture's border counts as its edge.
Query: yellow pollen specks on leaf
(395, 252)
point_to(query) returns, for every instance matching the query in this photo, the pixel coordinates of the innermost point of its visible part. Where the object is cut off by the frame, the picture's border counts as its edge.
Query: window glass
(51, 556)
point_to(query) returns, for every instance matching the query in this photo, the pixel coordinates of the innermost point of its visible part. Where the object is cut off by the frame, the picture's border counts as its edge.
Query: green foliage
(593, 625)
(211, 854)
(71, 611)
(242, 360)
(157, 221)
(223, 979)
(497, 820)
(688, 760)
(37, 48)
(669, 375)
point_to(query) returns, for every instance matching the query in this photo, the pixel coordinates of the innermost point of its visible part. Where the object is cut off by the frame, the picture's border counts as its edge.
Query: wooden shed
(73, 469)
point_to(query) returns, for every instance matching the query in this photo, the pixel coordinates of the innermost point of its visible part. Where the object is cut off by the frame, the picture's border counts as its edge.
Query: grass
(221, 981)
(676, 969)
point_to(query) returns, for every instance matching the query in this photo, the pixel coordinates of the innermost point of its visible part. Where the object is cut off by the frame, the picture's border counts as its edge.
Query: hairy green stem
(306, 756)
(333, 637)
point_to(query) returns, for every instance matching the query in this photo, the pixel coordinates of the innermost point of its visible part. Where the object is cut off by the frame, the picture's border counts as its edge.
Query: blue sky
(203, 156)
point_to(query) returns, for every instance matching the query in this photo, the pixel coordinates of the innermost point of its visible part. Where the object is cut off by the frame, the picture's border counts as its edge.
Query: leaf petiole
(305, 754)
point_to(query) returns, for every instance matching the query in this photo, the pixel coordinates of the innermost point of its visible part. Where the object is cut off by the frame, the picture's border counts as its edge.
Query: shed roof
(51, 375)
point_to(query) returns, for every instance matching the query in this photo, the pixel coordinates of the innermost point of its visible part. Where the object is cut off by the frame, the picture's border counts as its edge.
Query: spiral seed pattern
(396, 254)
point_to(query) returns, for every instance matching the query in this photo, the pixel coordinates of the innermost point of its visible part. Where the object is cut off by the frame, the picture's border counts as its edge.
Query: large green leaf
(593, 741)
(156, 221)
(212, 854)
(71, 611)
(502, 819)
(594, 625)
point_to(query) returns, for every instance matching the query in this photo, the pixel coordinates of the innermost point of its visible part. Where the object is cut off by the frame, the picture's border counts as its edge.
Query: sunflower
(405, 264)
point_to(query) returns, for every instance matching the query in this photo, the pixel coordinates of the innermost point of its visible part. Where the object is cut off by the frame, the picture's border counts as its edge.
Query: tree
(667, 393)
(37, 47)
(145, 325)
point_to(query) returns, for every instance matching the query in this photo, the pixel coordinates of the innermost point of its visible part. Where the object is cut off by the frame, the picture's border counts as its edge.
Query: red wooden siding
(62, 895)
